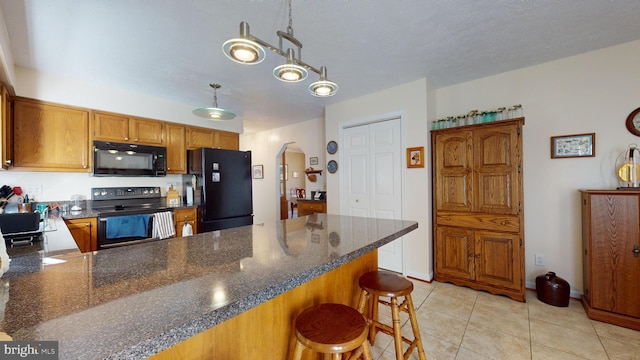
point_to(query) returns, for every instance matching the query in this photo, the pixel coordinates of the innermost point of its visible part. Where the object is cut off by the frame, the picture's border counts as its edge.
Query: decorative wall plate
(332, 166)
(332, 147)
(633, 122)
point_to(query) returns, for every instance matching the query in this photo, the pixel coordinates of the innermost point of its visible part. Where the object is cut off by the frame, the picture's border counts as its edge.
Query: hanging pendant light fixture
(215, 113)
(248, 49)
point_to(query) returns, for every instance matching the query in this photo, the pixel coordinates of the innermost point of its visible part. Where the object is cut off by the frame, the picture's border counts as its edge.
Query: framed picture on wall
(258, 172)
(572, 146)
(415, 157)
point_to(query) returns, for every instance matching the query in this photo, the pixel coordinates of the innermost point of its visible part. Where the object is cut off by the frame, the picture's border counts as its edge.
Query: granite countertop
(134, 301)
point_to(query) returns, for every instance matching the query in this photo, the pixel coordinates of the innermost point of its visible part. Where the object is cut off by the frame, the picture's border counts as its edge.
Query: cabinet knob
(126, 138)
(136, 139)
(636, 251)
(8, 162)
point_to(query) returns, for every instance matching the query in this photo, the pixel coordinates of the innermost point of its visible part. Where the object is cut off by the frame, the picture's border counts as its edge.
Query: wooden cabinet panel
(228, 140)
(110, 127)
(50, 137)
(122, 128)
(176, 149)
(84, 232)
(149, 132)
(610, 233)
(200, 137)
(496, 166)
(454, 252)
(498, 259)
(6, 129)
(454, 161)
(182, 215)
(478, 222)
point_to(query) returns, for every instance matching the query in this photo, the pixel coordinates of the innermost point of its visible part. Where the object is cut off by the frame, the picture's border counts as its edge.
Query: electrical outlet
(34, 191)
(539, 260)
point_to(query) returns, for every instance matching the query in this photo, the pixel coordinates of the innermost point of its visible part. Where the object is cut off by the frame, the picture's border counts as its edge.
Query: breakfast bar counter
(233, 292)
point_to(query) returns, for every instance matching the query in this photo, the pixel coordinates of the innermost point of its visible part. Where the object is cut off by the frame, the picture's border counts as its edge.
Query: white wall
(592, 92)
(266, 146)
(409, 101)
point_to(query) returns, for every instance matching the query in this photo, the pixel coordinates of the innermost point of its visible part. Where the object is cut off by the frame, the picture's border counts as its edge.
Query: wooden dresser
(611, 256)
(308, 207)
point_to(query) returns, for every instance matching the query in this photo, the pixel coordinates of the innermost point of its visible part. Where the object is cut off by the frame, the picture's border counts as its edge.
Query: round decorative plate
(633, 122)
(332, 166)
(332, 147)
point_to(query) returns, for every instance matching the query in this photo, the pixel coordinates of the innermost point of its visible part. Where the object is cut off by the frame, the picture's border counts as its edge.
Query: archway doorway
(290, 166)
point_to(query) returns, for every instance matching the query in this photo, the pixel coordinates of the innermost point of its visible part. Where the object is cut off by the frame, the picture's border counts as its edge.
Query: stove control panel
(135, 192)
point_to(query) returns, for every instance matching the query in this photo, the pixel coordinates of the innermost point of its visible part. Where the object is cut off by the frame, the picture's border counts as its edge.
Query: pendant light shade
(323, 87)
(214, 113)
(290, 71)
(243, 50)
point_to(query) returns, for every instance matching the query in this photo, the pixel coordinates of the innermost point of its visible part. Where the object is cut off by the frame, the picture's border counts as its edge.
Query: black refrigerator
(223, 191)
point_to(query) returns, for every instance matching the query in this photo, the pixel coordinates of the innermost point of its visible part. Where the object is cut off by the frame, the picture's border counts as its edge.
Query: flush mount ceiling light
(248, 49)
(215, 113)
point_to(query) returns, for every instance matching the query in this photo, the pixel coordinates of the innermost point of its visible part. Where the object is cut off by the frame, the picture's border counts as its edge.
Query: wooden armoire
(478, 209)
(611, 256)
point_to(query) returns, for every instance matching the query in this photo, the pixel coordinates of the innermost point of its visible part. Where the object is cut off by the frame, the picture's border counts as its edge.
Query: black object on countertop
(552, 290)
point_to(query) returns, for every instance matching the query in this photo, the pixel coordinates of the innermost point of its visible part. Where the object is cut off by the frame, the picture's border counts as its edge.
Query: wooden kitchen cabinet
(122, 128)
(185, 214)
(176, 149)
(611, 256)
(6, 128)
(50, 137)
(84, 232)
(198, 137)
(308, 207)
(478, 200)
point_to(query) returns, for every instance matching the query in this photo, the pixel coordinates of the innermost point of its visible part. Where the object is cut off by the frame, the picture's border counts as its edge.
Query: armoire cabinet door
(453, 160)
(498, 259)
(454, 250)
(496, 167)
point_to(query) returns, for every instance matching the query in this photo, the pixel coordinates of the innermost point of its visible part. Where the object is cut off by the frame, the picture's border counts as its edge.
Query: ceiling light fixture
(215, 113)
(248, 49)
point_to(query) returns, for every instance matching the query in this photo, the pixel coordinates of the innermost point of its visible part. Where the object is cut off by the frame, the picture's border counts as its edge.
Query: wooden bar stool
(332, 329)
(377, 283)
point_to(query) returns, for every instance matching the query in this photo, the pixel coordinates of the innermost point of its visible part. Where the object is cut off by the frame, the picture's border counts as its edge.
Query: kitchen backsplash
(61, 186)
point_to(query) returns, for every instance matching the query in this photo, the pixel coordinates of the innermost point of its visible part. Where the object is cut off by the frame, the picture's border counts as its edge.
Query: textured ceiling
(172, 49)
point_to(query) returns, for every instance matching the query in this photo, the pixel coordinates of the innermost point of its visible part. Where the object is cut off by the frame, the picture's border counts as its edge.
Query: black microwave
(119, 159)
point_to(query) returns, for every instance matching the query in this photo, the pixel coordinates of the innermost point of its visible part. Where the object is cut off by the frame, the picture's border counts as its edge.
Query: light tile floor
(463, 324)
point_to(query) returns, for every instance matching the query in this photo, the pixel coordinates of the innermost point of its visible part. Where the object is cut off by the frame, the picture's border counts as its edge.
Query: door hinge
(518, 130)
(519, 207)
(520, 242)
(519, 169)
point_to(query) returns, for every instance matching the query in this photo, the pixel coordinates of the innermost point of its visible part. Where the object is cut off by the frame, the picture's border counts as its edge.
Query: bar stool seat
(332, 329)
(378, 283)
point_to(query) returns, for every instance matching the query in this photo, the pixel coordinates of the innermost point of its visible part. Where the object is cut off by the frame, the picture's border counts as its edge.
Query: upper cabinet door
(228, 140)
(149, 132)
(200, 137)
(496, 165)
(453, 161)
(121, 128)
(50, 137)
(110, 127)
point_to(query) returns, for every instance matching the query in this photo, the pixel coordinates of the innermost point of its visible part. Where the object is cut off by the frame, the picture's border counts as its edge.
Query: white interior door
(373, 179)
